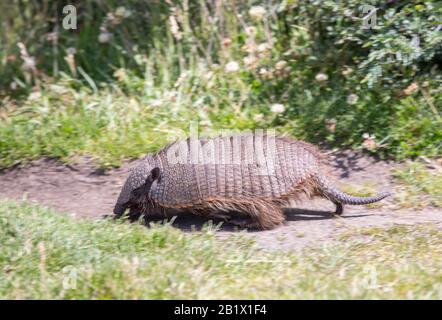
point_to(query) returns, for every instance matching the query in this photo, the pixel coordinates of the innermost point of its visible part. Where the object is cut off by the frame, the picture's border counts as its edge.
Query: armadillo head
(136, 187)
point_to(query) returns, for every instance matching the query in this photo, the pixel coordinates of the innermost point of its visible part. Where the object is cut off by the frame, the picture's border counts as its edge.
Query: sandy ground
(82, 191)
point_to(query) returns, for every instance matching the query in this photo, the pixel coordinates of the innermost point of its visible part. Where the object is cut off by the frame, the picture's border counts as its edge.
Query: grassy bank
(139, 71)
(47, 255)
(110, 126)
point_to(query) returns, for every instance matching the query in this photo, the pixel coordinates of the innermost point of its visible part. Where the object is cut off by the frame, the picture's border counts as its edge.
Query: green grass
(45, 255)
(420, 186)
(98, 126)
(119, 99)
(64, 122)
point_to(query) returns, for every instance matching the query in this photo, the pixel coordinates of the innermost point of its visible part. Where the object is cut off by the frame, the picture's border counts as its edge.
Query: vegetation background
(134, 73)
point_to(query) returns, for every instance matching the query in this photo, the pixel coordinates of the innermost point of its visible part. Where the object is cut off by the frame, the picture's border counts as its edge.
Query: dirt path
(84, 192)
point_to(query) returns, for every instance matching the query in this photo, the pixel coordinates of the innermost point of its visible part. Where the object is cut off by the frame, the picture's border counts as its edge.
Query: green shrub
(373, 89)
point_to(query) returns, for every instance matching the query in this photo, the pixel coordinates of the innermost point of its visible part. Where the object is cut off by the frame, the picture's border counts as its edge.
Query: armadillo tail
(341, 197)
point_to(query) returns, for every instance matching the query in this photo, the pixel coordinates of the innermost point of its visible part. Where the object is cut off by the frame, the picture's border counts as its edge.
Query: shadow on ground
(346, 163)
(189, 222)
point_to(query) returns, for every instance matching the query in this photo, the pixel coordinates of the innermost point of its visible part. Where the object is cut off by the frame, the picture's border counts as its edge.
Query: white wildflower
(206, 123)
(369, 141)
(348, 12)
(123, 12)
(121, 75)
(277, 108)
(249, 47)
(412, 88)
(208, 75)
(280, 65)
(156, 103)
(267, 74)
(57, 89)
(134, 105)
(263, 47)
(352, 99)
(321, 77)
(52, 36)
(257, 12)
(227, 42)
(171, 95)
(251, 31)
(34, 96)
(71, 50)
(251, 61)
(258, 117)
(105, 37)
(347, 71)
(232, 66)
(263, 71)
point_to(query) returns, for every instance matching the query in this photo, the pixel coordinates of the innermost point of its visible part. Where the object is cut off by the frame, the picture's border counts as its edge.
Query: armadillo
(252, 176)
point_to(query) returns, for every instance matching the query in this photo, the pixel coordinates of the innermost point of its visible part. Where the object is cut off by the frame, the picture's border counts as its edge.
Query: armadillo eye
(136, 193)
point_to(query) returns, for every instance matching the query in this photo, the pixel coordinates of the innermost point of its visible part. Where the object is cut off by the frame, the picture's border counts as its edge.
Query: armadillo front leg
(134, 214)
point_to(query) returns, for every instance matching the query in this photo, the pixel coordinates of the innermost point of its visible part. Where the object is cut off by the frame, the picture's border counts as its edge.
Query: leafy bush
(377, 89)
(382, 82)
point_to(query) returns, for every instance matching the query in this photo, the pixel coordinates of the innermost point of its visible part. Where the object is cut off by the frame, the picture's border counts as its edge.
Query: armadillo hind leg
(263, 215)
(339, 208)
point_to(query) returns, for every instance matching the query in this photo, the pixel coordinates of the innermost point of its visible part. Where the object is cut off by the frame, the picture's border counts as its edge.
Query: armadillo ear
(145, 188)
(155, 173)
